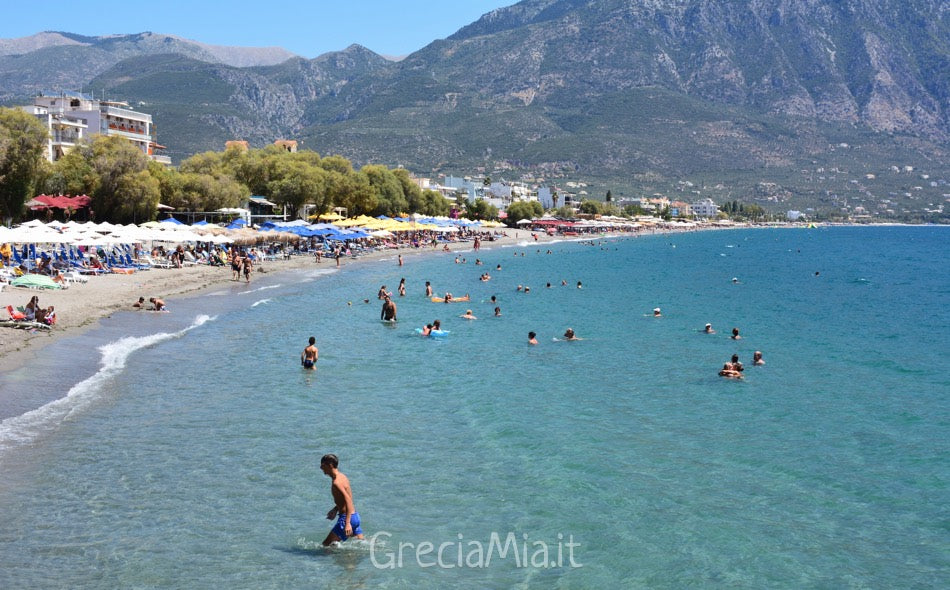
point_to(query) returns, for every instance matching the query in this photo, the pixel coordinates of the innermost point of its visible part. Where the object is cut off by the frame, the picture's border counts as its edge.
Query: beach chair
(15, 315)
(136, 265)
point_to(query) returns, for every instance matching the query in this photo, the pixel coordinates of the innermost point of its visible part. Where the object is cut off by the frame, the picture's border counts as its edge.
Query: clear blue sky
(306, 27)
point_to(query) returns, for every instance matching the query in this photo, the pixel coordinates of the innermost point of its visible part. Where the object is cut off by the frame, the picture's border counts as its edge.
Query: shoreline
(82, 306)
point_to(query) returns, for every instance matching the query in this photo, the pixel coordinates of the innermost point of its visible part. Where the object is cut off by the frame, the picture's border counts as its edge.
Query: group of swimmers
(733, 368)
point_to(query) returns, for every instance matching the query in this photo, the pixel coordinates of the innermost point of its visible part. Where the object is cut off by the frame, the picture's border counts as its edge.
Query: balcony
(125, 114)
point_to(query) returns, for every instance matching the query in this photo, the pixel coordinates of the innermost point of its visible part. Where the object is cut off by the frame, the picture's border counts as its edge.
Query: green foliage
(388, 190)
(73, 174)
(481, 209)
(22, 144)
(591, 207)
(523, 210)
(125, 191)
(633, 210)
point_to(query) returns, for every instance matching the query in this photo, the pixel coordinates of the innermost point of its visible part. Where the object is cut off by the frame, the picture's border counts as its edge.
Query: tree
(22, 145)
(297, 182)
(125, 191)
(590, 207)
(390, 198)
(73, 174)
(523, 210)
(633, 210)
(481, 209)
(356, 194)
(192, 191)
(410, 190)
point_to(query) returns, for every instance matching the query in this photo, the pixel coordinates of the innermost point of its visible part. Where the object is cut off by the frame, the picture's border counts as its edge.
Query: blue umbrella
(172, 220)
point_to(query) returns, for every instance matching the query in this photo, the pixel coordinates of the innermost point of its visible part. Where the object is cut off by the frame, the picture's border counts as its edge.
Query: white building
(103, 118)
(64, 130)
(705, 208)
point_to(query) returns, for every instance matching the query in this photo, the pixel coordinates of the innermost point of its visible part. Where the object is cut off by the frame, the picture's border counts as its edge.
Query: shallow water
(186, 453)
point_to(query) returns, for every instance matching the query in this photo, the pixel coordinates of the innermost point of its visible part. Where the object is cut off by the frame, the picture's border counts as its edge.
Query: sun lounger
(16, 316)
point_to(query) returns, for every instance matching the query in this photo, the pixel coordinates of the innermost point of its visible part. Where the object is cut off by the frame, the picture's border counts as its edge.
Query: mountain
(53, 61)
(791, 103)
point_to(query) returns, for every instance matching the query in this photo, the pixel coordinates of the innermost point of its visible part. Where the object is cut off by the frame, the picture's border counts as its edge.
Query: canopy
(59, 202)
(35, 282)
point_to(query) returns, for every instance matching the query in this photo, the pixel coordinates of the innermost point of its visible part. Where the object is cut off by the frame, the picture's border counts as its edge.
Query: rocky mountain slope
(633, 93)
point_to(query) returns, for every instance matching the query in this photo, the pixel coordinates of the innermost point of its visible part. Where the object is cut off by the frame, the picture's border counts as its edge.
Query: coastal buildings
(705, 208)
(71, 117)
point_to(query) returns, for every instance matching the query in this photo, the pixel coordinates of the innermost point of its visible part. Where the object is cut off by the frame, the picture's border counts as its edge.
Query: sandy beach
(82, 305)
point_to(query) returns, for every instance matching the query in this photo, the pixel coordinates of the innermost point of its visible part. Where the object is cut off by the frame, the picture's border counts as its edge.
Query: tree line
(126, 186)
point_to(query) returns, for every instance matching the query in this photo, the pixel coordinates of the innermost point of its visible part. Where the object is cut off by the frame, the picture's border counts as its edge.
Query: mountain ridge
(634, 94)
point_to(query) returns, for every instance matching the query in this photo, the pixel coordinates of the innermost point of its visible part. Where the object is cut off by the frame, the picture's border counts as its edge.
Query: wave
(264, 288)
(261, 302)
(27, 427)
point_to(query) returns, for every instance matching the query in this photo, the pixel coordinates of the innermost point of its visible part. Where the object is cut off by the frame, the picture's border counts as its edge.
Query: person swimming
(709, 329)
(757, 358)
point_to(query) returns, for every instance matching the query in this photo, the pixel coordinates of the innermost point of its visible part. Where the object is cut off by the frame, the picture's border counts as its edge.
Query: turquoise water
(186, 453)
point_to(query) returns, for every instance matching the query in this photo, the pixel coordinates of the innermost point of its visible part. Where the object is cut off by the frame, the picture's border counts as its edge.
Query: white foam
(264, 288)
(261, 302)
(26, 428)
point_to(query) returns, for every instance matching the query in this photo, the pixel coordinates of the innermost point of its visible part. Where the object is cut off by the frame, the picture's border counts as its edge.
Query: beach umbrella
(35, 282)
(172, 221)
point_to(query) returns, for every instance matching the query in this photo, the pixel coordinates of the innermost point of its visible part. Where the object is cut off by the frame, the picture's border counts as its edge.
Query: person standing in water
(308, 358)
(388, 312)
(344, 508)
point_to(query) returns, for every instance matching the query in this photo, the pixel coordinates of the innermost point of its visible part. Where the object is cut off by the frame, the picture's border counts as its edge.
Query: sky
(306, 27)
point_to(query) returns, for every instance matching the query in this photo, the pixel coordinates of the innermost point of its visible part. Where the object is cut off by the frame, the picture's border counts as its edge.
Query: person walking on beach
(388, 312)
(246, 264)
(309, 356)
(235, 265)
(344, 508)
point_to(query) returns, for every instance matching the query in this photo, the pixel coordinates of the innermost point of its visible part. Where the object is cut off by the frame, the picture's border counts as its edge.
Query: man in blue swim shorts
(308, 358)
(344, 509)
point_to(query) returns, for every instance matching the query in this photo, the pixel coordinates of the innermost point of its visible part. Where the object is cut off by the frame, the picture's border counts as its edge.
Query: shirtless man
(308, 358)
(428, 289)
(388, 312)
(344, 509)
(157, 304)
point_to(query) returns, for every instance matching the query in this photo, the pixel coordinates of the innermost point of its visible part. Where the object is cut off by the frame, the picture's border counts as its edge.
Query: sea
(182, 449)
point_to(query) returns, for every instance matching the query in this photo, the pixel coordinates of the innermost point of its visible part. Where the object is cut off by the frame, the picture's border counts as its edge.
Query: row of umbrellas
(172, 230)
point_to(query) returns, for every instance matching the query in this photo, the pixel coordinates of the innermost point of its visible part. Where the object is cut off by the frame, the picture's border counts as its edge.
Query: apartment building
(67, 113)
